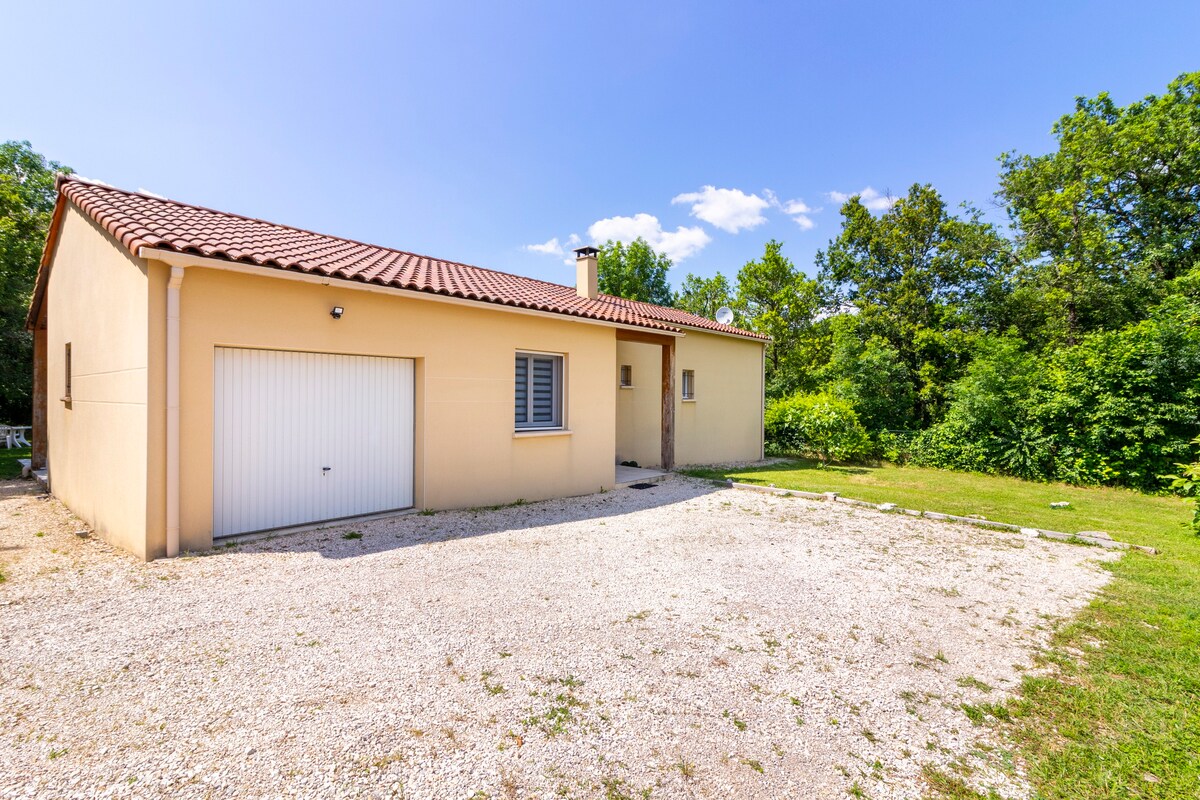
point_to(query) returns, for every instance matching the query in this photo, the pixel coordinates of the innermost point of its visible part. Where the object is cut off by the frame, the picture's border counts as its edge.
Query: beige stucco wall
(723, 423)
(639, 409)
(467, 453)
(97, 300)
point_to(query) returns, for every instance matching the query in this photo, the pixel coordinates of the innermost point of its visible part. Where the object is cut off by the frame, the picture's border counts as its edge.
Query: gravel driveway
(681, 641)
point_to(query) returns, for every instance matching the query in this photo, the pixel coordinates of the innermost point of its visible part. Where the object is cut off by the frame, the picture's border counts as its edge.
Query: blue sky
(470, 131)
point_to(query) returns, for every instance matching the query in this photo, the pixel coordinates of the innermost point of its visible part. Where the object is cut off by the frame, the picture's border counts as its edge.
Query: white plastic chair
(7, 434)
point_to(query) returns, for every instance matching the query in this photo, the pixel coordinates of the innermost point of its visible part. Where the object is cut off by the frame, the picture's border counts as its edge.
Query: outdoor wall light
(337, 312)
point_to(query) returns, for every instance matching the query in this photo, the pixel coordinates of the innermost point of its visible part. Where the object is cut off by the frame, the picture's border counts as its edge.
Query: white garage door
(306, 437)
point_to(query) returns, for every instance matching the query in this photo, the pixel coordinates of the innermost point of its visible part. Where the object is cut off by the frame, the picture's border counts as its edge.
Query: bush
(871, 375)
(1121, 406)
(952, 445)
(895, 446)
(819, 425)
(1117, 408)
(1187, 484)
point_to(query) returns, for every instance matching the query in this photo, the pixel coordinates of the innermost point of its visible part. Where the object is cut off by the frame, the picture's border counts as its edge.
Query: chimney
(587, 281)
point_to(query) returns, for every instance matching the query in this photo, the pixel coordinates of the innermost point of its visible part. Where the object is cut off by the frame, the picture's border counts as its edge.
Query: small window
(626, 376)
(538, 399)
(689, 384)
(67, 374)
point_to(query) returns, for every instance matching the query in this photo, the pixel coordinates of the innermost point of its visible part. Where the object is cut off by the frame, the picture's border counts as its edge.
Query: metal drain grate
(641, 486)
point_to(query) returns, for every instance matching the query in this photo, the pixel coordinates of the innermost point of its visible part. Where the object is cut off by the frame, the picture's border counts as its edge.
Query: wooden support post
(668, 405)
(38, 456)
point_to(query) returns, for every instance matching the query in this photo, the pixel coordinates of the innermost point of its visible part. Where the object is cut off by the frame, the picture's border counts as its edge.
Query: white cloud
(800, 211)
(731, 210)
(676, 245)
(549, 248)
(804, 221)
(873, 200)
(573, 241)
(553, 247)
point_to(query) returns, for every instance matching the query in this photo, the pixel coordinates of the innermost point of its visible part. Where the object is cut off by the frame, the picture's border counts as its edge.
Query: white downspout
(762, 405)
(173, 285)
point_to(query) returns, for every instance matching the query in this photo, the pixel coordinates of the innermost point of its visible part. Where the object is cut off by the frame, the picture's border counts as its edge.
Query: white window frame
(625, 370)
(557, 387)
(687, 385)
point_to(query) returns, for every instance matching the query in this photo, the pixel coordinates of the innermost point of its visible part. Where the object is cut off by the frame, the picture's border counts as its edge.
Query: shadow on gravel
(352, 539)
(16, 486)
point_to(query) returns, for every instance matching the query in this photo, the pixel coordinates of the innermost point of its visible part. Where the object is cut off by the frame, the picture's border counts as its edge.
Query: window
(626, 376)
(689, 384)
(538, 399)
(67, 374)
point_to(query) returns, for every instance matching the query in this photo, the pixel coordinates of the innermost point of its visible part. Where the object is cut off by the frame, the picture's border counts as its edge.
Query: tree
(776, 299)
(870, 374)
(634, 272)
(1112, 215)
(26, 205)
(704, 296)
(923, 280)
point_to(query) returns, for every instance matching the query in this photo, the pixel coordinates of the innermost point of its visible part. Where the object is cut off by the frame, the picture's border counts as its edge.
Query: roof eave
(176, 258)
(43, 273)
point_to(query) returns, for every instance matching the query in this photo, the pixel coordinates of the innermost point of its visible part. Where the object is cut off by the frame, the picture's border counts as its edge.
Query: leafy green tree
(1122, 405)
(870, 374)
(924, 281)
(990, 396)
(635, 272)
(26, 206)
(1117, 408)
(704, 296)
(987, 425)
(1111, 215)
(776, 299)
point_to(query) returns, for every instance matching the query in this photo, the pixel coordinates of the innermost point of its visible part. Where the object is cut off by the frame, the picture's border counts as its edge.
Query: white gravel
(682, 641)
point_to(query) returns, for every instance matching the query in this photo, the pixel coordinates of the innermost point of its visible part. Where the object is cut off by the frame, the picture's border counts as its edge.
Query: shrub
(1187, 484)
(895, 446)
(952, 445)
(1121, 406)
(820, 425)
(871, 375)
(1117, 408)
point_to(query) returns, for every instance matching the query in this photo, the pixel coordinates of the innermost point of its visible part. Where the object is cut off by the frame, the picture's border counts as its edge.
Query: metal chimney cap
(584, 252)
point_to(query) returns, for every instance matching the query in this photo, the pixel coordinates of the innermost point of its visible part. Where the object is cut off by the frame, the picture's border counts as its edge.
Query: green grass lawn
(9, 468)
(1123, 720)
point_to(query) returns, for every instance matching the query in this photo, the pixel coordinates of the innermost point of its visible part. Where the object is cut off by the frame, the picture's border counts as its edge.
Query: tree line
(1063, 345)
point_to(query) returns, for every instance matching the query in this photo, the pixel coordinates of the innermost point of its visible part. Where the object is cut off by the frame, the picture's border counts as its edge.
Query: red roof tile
(141, 220)
(677, 316)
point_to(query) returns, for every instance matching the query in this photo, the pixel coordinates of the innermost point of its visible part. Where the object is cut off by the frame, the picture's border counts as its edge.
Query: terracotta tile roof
(140, 220)
(676, 316)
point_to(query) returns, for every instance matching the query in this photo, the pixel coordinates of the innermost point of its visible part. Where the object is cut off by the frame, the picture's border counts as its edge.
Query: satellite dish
(724, 315)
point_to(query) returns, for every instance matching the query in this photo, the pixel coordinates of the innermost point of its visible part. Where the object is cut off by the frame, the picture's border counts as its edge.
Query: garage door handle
(326, 469)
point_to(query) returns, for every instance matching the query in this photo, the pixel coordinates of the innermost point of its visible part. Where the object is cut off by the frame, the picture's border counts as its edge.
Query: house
(200, 375)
